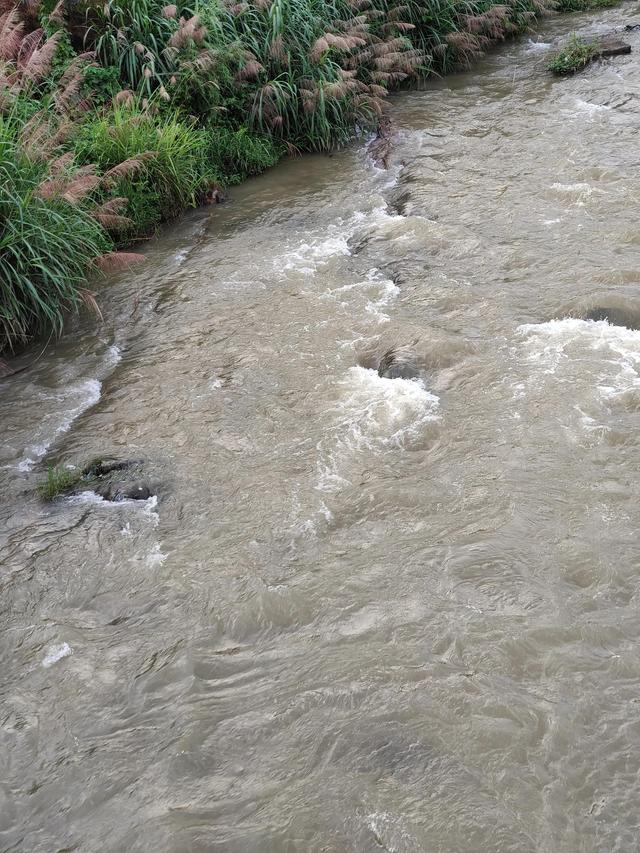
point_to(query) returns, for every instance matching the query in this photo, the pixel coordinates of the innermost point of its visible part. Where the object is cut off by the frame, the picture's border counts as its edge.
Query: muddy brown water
(364, 613)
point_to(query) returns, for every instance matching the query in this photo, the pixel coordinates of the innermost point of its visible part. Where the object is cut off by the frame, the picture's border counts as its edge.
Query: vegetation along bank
(116, 116)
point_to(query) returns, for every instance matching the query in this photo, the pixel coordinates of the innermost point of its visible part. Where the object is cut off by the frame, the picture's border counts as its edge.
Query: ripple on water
(81, 397)
(64, 406)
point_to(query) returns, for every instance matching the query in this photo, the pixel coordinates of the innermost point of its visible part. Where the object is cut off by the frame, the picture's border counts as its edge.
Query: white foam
(149, 506)
(538, 45)
(380, 219)
(114, 355)
(391, 833)
(156, 557)
(56, 653)
(372, 414)
(314, 251)
(86, 497)
(81, 395)
(590, 108)
(307, 256)
(151, 510)
(376, 409)
(573, 188)
(613, 350)
(580, 191)
(389, 292)
(380, 292)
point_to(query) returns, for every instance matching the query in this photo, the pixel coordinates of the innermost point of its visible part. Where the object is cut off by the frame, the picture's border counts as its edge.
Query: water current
(363, 613)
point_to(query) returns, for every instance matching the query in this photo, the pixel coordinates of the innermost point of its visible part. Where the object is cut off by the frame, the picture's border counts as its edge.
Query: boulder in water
(613, 316)
(611, 46)
(616, 309)
(137, 490)
(105, 477)
(105, 465)
(399, 363)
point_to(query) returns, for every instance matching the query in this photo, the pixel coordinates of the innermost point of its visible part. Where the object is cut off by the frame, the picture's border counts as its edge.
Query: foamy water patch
(318, 249)
(308, 255)
(577, 193)
(372, 414)
(56, 653)
(374, 409)
(589, 354)
(156, 557)
(148, 507)
(392, 833)
(538, 45)
(378, 294)
(113, 356)
(590, 109)
(389, 291)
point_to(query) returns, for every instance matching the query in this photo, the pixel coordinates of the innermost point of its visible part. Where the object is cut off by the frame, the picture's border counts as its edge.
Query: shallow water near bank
(363, 613)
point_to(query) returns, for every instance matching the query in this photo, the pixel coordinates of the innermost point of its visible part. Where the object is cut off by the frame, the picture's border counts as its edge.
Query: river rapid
(363, 613)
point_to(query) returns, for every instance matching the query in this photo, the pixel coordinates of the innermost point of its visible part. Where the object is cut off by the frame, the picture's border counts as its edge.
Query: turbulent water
(363, 613)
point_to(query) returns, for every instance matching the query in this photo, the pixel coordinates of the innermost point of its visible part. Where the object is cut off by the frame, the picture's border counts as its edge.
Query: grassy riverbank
(116, 116)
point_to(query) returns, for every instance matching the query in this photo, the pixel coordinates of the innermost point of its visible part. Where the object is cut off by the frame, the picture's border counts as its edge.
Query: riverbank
(117, 118)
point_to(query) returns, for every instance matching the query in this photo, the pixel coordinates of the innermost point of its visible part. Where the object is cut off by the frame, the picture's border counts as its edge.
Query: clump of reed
(48, 237)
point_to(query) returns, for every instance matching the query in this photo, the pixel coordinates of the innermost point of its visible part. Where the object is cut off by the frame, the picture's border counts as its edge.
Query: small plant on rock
(574, 56)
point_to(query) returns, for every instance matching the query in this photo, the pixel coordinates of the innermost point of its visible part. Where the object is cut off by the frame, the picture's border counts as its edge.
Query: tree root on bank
(380, 147)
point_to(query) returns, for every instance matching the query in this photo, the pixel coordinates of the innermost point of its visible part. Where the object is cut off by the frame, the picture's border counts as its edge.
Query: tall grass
(46, 244)
(237, 154)
(133, 36)
(158, 161)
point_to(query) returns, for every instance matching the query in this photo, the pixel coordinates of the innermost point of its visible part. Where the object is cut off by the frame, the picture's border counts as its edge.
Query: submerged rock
(611, 46)
(616, 309)
(138, 490)
(105, 477)
(103, 466)
(399, 363)
(613, 316)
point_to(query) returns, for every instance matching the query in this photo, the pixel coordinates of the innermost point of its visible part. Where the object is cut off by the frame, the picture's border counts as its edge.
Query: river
(363, 613)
